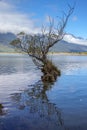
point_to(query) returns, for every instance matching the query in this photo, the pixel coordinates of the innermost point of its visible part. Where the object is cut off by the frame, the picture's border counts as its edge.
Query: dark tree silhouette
(2, 112)
(37, 45)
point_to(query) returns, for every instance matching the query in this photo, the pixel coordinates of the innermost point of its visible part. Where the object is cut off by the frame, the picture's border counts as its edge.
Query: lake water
(28, 104)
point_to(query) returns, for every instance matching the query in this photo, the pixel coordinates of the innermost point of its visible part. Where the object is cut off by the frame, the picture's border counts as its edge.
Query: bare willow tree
(37, 45)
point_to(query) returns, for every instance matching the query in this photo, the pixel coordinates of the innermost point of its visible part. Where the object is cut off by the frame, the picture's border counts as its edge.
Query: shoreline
(50, 53)
(68, 53)
(12, 54)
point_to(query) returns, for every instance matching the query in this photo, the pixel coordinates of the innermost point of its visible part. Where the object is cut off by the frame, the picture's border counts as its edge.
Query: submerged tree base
(50, 72)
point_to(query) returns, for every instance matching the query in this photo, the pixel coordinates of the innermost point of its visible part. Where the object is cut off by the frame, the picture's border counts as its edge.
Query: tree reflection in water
(2, 111)
(40, 109)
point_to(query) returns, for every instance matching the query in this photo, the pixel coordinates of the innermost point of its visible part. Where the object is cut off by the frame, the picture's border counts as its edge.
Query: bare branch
(37, 46)
(60, 31)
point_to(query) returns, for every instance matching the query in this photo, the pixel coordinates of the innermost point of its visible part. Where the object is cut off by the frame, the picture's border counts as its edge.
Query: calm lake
(28, 104)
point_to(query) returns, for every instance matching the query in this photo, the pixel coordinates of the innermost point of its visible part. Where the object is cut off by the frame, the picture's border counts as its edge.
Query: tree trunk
(50, 71)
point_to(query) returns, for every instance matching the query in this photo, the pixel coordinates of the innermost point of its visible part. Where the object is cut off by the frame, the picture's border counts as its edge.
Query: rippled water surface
(28, 104)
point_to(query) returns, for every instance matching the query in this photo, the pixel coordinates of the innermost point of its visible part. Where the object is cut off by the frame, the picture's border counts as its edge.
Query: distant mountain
(5, 39)
(70, 43)
(64, 46)
(75, 40)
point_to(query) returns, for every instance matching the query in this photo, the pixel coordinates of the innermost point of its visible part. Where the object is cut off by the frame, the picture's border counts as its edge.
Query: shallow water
(31, 105)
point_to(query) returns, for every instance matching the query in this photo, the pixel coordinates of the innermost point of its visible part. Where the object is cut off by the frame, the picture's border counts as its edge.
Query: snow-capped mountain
(70, 43)
(75, 40)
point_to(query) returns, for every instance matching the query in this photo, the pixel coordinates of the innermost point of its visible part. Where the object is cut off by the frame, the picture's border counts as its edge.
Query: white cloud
(13, 21)
(71, 39)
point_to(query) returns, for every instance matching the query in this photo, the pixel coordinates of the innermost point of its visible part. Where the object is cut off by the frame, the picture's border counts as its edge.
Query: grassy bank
(50, 53)
(67, 53)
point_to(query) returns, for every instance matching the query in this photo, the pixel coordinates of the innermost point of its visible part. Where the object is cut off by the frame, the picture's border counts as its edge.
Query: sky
(29, 15)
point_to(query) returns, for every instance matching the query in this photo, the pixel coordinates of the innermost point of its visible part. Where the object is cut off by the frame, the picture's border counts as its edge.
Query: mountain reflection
(40, 109)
